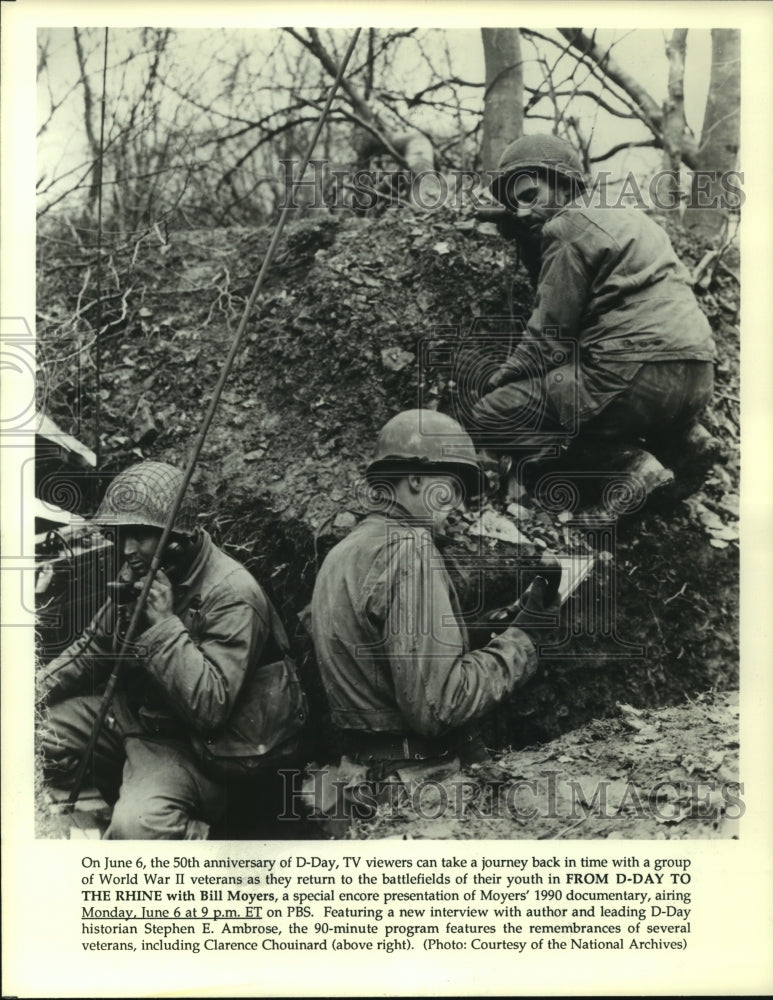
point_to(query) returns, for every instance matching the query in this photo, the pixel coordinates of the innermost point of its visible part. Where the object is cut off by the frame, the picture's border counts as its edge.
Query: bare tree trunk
(673, 109)
(88, 112)
(673, 112)
(503, 101)
(720, 137)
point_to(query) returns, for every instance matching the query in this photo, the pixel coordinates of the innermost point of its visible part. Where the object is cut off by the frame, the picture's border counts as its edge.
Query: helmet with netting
(144, 495)
(544, 154)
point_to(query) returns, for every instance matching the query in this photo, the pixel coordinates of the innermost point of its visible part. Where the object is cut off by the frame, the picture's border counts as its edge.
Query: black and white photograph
(494, 350)
(376, 487)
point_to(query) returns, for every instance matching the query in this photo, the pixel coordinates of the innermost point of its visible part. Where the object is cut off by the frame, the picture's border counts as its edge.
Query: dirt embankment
(361, 318)
(664, 774)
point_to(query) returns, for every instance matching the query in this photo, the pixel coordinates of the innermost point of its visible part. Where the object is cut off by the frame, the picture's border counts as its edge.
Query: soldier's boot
(690, 453)
(631, 480)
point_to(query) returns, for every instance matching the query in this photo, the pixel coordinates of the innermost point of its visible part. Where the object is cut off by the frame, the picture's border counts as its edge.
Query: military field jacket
(610, 282)
(392, 649)
(188, 670)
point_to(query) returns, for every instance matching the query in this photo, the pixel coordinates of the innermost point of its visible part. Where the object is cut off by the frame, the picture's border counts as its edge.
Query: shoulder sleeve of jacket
(202, 677)
(563, 290)
(438, 684)
(563, 286)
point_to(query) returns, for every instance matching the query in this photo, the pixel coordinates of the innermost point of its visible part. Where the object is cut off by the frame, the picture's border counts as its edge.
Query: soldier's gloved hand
(538, 620)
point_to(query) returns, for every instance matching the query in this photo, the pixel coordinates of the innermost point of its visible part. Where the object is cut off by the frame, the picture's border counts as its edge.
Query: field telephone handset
(123, 590)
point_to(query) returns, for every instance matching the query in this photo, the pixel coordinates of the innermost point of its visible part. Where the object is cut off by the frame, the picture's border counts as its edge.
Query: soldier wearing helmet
(183, 721)
(402, 684)
(617, 348)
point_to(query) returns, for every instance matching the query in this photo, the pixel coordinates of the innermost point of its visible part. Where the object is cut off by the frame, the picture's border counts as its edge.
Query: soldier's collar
(396, 512)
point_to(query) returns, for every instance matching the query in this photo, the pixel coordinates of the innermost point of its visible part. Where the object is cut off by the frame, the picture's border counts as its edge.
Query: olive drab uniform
(181, 719)
(392, 649)
(403, 686)
(616, 347)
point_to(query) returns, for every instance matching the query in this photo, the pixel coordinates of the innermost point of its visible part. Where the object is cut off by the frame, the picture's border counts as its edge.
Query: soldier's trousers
(616, 401)
(162, 793)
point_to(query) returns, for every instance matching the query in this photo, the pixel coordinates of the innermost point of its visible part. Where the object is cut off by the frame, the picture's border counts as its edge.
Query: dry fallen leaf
(728, 532)
(395, 359)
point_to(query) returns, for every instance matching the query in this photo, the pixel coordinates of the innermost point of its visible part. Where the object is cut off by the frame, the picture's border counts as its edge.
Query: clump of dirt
(362, 318)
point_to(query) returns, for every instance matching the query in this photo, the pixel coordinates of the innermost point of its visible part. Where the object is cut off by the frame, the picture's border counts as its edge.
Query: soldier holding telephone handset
(210, 696)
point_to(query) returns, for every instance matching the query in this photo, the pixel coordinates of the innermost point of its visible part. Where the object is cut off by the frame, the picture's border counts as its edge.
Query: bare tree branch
(363, 113)
(644, 144)
(593, 70)
(647, 108)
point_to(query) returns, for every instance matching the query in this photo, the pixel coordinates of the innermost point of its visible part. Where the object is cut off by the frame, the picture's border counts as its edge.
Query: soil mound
(361, 318)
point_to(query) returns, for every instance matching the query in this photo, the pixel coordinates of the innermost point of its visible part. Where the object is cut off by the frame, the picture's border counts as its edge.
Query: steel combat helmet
(425, 441)
(541, 153)
(143, 495)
